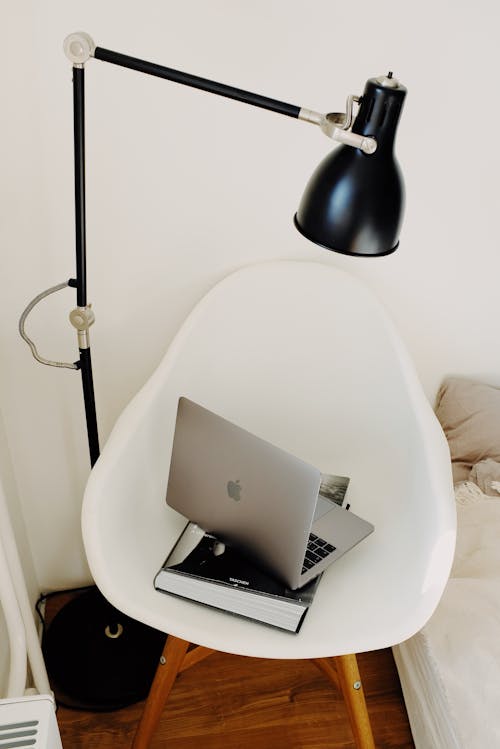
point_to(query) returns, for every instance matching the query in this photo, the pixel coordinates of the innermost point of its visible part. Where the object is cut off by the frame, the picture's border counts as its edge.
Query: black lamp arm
(187, 79)
(79, 157)
(79, 48)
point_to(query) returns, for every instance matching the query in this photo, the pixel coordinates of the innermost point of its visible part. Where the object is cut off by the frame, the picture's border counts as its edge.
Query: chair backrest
(302, 355)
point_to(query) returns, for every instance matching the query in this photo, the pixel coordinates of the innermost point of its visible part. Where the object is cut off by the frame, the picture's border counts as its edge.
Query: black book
(202, 569)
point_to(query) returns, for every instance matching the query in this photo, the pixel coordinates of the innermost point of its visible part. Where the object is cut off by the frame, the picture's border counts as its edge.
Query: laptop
(257, 497)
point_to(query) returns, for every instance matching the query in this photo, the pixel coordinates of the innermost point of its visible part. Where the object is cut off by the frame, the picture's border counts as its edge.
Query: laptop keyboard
(317, 549)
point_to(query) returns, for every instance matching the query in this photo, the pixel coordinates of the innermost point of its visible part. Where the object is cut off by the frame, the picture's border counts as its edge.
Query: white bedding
(450, 671)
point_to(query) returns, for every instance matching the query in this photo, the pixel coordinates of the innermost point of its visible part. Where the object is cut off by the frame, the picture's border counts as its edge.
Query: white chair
(302, 355)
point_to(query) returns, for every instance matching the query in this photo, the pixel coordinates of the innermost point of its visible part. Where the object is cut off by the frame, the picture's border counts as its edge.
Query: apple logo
(234, 490)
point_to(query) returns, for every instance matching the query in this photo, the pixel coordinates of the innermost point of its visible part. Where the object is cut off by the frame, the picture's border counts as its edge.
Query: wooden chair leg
(196, 655)
(350, 684)
(326, 666)
(170, 663)
(175, 659)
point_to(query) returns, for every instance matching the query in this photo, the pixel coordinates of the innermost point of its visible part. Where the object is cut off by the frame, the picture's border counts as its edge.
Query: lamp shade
(354, 201)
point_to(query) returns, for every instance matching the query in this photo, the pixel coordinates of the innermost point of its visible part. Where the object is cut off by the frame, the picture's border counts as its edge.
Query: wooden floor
(239, 703)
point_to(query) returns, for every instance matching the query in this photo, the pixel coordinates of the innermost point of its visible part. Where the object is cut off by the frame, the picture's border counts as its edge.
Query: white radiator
(29, 722)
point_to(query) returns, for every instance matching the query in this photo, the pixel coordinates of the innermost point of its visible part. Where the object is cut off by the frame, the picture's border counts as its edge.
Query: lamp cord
(28, 340)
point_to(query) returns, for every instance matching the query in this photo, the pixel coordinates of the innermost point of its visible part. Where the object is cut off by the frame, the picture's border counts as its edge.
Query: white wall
(184, 187)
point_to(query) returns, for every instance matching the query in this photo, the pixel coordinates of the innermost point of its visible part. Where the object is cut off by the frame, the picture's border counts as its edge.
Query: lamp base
(97, 658)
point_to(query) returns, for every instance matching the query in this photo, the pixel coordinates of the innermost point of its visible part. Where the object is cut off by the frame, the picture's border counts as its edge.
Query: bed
(450, 670)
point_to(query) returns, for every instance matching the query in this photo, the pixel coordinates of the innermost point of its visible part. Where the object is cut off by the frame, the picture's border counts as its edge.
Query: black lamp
(354, 201)
(353, 204)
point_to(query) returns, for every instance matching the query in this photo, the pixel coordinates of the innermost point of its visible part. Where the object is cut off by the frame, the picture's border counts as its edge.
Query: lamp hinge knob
(82, 318)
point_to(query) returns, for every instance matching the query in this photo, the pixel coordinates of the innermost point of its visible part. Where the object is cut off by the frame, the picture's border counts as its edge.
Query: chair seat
(302, 355)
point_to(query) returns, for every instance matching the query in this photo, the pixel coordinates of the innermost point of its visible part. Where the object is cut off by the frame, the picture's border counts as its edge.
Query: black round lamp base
(97, 658)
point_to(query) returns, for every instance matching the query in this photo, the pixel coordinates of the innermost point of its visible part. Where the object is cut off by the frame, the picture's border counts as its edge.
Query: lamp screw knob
(79, 47)
(82, 317)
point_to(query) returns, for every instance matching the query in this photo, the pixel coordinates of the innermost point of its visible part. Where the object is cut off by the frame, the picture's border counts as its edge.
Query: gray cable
(28, 340)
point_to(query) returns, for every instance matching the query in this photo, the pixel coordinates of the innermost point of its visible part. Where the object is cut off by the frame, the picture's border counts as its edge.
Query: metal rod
(81, 260)
(89, 400)
(79, 139)
(186, 79)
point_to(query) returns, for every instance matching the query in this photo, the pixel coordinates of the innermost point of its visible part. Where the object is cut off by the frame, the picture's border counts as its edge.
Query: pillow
(469, 413)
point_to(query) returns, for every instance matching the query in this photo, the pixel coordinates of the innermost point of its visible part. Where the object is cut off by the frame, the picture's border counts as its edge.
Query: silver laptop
(256, 496)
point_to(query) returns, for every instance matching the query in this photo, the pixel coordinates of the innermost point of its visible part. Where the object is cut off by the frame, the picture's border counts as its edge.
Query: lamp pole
(82, 317)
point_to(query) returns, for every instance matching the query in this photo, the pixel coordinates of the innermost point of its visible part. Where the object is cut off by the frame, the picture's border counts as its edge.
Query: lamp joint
(337, 126)
(82, 318)
(78, 48)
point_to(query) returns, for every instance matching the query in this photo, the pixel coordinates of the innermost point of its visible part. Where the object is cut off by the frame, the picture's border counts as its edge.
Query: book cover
(202, 569)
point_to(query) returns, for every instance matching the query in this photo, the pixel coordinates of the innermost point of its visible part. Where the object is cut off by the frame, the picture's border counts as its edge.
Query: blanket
(486, 474)
(463, 636)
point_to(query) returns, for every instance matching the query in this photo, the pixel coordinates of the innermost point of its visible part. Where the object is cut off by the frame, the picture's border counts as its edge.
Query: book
(334, 488)
(202, 569)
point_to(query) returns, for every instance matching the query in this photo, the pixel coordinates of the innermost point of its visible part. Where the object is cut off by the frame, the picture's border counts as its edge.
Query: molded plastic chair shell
(302, 355)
